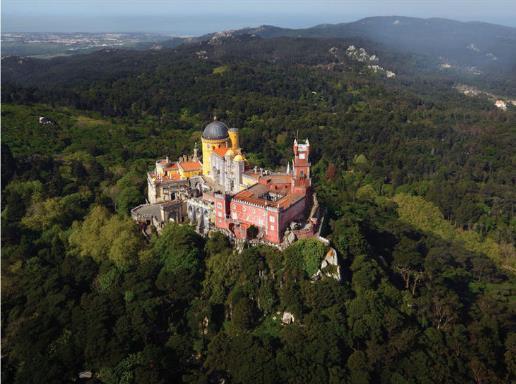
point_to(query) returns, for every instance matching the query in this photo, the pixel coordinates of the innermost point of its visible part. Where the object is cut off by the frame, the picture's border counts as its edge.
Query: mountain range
(477, 54)
(474, 47)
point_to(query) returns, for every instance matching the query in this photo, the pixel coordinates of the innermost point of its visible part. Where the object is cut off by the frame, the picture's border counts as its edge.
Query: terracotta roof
(220, 151)
(253, 195)
(190, 165)
(172, 177)
(252, 174)
(289, 200)
(275, 179)
(171, 167)
(252, 192)
(164, 178)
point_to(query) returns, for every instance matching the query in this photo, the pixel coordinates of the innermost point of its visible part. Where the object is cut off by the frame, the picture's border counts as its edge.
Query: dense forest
(416, 179)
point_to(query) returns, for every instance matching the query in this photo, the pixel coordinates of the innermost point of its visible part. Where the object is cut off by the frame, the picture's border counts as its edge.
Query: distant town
(56, 44)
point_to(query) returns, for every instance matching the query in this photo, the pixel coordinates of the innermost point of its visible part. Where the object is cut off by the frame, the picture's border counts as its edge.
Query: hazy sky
(194, 17)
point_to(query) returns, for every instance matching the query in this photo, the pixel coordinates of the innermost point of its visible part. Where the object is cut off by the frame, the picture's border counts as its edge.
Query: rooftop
(190, 165)
(171, 167)
(275, 179)
(153, 210)
(260, 194)
(215, 130)
(165, 178)
(220, 151)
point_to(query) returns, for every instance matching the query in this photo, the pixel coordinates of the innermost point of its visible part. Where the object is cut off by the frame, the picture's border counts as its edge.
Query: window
(219, 205)
(302, 155)
(272, 227)
(219, 214)
(272, 219)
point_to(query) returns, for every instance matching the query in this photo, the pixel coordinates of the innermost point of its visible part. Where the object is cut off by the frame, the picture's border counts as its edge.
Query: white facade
(227, 171)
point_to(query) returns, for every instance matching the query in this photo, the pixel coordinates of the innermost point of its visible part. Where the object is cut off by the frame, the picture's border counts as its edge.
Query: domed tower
(215, 135)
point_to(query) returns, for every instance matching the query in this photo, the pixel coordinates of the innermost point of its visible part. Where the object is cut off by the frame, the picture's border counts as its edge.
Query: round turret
(229, 153)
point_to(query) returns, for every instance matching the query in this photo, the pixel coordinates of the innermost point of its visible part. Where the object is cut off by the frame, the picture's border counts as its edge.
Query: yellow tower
(215, 135)
(233, 137)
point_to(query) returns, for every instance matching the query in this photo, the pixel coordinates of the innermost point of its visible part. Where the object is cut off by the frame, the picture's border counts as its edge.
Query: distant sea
(174, 25)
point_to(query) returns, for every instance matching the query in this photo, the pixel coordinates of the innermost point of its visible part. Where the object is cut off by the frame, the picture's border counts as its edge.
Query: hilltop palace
(222, 193)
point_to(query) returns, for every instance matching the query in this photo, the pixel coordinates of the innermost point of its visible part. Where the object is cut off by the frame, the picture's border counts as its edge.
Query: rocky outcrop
(329, 266)
(360, 55)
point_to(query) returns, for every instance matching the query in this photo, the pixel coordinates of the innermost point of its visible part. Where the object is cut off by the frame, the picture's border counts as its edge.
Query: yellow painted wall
(248, 180)
(188, 174)
(207, 149)
(233, 136)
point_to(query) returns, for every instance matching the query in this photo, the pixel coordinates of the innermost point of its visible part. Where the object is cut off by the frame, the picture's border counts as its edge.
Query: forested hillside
(484, 46)
(417, 181)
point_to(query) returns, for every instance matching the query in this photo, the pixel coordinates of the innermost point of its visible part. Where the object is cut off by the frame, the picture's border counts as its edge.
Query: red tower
(301, 168)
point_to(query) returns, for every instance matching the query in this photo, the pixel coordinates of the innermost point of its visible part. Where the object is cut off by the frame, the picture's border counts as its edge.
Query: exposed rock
(473, 47)
(45, 120)
(361, 55)
(85, 375)
(294, 225)
(333, 51)
(290, 237)
(287, 318)
(501, 104)
(205, 323)
(499, 101)
(202, 55)
(389, 74)
(329, 266)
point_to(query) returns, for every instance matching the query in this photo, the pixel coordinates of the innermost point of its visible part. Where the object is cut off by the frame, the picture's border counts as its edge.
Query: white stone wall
(151, 191)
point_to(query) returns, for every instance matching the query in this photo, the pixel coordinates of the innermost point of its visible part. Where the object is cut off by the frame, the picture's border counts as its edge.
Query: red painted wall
(294, 212)
(272, 222)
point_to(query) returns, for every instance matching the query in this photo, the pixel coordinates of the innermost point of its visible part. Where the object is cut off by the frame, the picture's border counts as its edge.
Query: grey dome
(215, 130)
